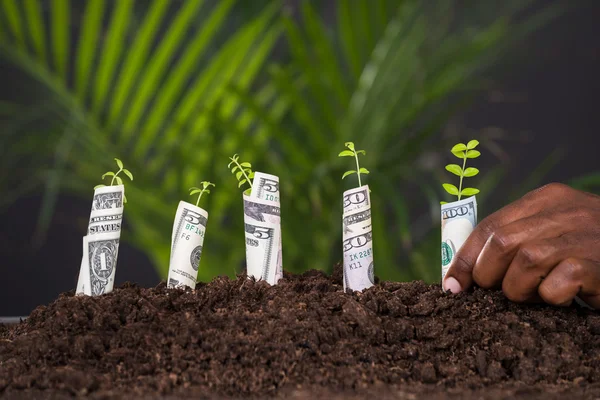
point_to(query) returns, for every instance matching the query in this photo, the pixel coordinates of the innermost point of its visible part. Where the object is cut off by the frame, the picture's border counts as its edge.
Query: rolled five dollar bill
(187, 239)
(262, 229)
(101, 244)
(458, 221)
(357, 239)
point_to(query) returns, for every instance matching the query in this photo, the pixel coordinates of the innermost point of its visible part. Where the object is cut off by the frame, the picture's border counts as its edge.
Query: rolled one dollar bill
(357, 239)
(187, 240)
(458, 221)
(101, 244)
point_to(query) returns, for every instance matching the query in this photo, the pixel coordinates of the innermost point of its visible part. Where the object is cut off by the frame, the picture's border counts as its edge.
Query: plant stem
(115, 177)
(357, 167)
(461, 175)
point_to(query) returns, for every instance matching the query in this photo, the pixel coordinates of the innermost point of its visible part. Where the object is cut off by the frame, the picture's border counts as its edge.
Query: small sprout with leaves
(462, 151)
(205, 189)
(243, 172)
(115, 176)
(352, 152)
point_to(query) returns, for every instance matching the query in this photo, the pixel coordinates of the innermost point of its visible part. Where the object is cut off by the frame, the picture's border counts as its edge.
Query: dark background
(546, 99)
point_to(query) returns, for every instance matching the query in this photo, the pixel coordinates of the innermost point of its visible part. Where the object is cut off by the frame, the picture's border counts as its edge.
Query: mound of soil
(302, 338)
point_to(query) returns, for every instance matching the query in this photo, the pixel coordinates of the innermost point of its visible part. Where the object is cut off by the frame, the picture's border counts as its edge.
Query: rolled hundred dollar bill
(458, 221)
(101, 244)
(186, 245)
(357, 241)
(266, 187)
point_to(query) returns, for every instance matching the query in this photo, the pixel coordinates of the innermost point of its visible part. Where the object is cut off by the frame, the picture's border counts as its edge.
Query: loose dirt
(302, 338)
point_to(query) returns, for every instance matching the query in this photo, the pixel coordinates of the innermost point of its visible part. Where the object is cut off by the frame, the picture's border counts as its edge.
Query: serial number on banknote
(193, 229)
(360, 255)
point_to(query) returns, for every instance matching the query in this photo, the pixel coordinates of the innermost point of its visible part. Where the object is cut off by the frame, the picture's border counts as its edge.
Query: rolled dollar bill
(458, 221)
(262, 239)
(101, 244)
(186, 245)
(357, 240)
(266, 187)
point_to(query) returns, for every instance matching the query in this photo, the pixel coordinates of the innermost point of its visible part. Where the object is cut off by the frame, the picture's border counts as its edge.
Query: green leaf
(108, 174)
(348, 173)
(458, 147)
(111, 52)
(363, 171)
(86, 51)
(251, 175)
(119, 180)
(124, 199)
(459, 154)
(472, 144)
(247, 192)
(455, 169)
(242, 182)
(235, 167)
(239, 175)
(60, 24)
(469, 192)
(361, 152)
(473, 154)
(246, 165)
(99, 186)
(37, 29)
(443, 202)
(119, 163)
(193, 188)
(135, 61)
(469, 172)
(349, 145)
(346, 153)
(193, 192)
(128, 173)
(450, 188)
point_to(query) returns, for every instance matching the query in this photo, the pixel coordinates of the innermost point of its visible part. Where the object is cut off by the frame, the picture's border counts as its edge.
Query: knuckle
(528, 256)
(483, 280)
(501, 241)
(573, 269)
(487, 226)
(554, 188)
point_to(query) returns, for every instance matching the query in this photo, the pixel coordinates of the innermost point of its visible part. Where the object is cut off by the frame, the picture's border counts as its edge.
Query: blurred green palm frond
(143, 88)
(174, 97)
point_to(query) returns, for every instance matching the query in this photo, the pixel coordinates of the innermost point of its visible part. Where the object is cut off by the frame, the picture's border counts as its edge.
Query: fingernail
(452, 285)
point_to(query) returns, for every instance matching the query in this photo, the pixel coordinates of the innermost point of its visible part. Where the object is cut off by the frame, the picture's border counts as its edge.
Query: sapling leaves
(116, 178)
(352, 152)
(243, 172)
(195, 190)
(464, 152)
(450, 188)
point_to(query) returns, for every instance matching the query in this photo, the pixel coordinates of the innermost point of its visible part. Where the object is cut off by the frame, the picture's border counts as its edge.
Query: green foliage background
(174, 88)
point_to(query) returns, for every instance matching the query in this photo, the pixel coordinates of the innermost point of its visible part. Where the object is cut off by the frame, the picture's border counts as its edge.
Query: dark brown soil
(302, 338)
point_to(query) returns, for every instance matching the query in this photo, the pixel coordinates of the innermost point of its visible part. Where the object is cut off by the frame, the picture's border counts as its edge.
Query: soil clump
(302, 338)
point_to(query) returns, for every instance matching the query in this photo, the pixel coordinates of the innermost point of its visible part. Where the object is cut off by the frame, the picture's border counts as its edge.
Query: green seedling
(116, 178)
(352, 152)
(205, 185)
(462, 151)
(243, 172)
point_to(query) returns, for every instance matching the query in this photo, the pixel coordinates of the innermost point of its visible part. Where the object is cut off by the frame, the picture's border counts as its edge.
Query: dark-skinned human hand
(544, 246)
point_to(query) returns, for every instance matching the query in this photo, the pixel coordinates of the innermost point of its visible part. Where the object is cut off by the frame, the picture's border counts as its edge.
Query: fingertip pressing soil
(302, 338)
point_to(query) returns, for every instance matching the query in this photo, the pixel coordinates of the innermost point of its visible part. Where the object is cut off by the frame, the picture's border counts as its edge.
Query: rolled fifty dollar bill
(101, 244)
(187, 240)
(357, 240)
(458, 221)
